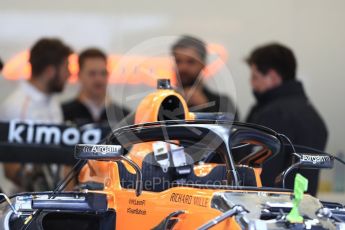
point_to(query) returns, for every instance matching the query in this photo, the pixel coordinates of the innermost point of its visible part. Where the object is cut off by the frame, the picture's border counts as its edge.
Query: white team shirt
(28, 103)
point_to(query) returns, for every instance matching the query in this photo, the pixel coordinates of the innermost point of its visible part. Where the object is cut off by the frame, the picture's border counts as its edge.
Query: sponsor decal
(189, 199)
(315, 159)
(103, 149)
(200, 201)
(136, 211)
(29, 132)
(136, 202)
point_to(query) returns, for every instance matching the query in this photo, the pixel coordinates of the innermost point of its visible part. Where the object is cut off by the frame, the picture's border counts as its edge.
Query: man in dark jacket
(91, 104)
(1, 65)
(190, 55)
(283, 105)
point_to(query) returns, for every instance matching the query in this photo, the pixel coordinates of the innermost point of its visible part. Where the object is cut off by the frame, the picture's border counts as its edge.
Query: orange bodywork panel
(148, 108)
(150, 208)
(147, 111)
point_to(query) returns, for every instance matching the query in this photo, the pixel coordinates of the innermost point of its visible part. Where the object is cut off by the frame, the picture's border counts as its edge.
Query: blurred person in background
(34, 100)
(282, 105)
(1, 65)
(90, 106)
(190, 55)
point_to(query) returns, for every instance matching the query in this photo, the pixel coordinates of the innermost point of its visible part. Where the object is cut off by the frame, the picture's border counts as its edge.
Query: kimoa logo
(316, 158)
(30, 132)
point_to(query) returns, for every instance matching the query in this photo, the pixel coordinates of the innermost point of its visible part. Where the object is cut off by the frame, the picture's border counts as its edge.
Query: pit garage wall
(312, 28)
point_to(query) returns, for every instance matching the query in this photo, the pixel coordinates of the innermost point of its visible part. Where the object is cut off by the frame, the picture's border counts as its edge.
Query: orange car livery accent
(204, 169)
(257, 172)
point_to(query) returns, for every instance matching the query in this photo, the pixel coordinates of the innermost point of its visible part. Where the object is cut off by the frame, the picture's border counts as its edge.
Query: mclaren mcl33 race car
(177, 174)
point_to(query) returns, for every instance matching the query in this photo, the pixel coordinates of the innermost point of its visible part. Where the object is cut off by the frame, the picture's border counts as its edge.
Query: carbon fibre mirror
(306, 161)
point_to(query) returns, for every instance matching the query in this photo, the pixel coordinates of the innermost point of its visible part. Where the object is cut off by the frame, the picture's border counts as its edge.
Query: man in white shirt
(27, 102)
(33, 99)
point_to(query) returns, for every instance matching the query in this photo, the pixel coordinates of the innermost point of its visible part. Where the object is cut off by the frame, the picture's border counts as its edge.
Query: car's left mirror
(97, 152)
